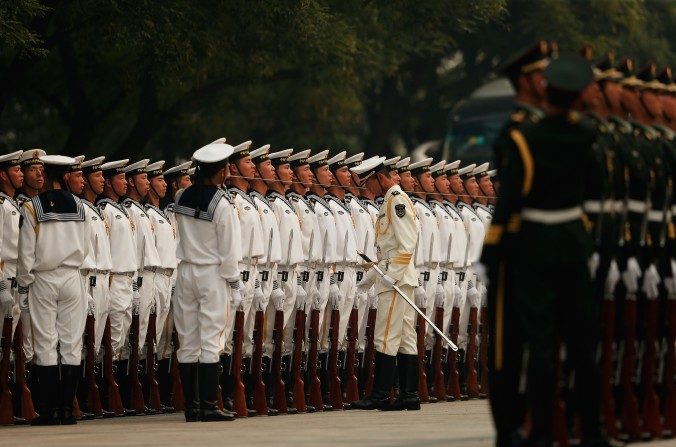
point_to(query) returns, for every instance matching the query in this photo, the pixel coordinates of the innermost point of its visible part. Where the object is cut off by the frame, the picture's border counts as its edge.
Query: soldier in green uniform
(525, 72)
(542, 201)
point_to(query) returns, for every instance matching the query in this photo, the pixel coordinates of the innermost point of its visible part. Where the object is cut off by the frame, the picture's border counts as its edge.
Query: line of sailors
(107, 239)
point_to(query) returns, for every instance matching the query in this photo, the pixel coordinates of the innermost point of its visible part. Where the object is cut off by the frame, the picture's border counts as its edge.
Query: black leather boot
(70, 374)
(411, 400)
(47, 378)
(382, 384)
(208, 387)
(400, 384)
(189, 383)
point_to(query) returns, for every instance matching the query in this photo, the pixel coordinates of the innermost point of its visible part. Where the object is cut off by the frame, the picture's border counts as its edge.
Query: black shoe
(47, 378)
(208, 383)
(375, 401)
(407, 367)
(382, 384)
(70, 374)
(107, 414)
(189, 375)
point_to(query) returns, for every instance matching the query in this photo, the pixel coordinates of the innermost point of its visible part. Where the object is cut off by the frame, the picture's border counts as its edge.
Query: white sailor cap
(466, 172)
(437, 169)
(391, 163)
(177, 171)
(212, 153)
(77, 166)
(337, 161)
(9, 160)
(299, 158)
(219, 141)
(367, 168)
(241, 150)
(261, 154)
(280, 157)
(492, 173)
(452, 168)
(31, 157)
(191, 171)
(58, 163)
(354, 160)
(481, 170)
(112, 168)
(155, 169)
(138, 167)
(420, 166)
(402, 165)
(318, 159)
(93, 165)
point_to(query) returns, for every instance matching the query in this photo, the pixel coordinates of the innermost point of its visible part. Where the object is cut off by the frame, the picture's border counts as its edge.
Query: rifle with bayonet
(93, 399)
(137, 402)
(351, 363)
(6, 405)
(113, 398)
(279, 388)
(438, 348)
(27, 410)
(314, 383)
(298, 390)
(259, 398)
(154, 400)
(335, 388)
(471, 353)
(177, 397)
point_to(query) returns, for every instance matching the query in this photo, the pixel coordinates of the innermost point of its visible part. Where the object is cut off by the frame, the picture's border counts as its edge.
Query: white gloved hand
(439, 296)
(360, 299)
(316, 298)
(631, 275)
(419, 296)
(23, 298)
(258, 296)
(301, 296)
(6, 298)
(277, 296)
(135, 301)
(593, 264)
(367, 281)
(235, 294)
(372, 299)
(91, 305)
(613, 277)
(334, 292)
(651, 281)
(473, 294)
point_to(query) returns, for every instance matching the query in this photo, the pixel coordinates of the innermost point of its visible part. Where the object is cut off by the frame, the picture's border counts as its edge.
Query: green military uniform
(541, 198)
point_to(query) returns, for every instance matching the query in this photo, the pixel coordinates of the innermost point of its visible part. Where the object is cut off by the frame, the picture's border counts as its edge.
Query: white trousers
(101, 296)
(162, 308)
(58, 311)
(247, 298)
(347, 295)
(119, 311)
(395, 324)
(200, 312)
(465, 306)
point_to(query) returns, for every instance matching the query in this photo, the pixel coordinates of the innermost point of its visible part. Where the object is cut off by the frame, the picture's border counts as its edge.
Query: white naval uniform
(52, 247)
(209, 254)
(446, 281)
(164, 235)
(346, 259)
(476, 234)
(309, 225)
(486, 216)
(145, 246)
(292, 255)
(98, 265)
(267, 270)
(427, 261)
(365, 240)
(458, 249)
(373, 209)
(327, 225)
(252, 235)
(9, 240)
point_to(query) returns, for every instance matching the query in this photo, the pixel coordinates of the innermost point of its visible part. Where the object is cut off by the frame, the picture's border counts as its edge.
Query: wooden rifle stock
(607, 395)
(483, 352)
(136, 389)
(6, 406)
(238, 392)
(352, 386)
(422, 373)
(93, 395)
(154, 400)
(670, 371)
(437, 354)
(177, 398)
(315, 385)
(335, 389)
(298, 391)
(453, 388)
(112, 389)
(630, 413)
(27, 408)
(472, 375)
(259, 398)
(652, 424)
(370, 352)
(279, 393)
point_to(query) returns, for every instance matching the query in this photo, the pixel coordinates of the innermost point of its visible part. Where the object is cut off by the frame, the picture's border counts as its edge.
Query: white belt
(551, 217)
(598, 206)
(657, 215)
(636, 206)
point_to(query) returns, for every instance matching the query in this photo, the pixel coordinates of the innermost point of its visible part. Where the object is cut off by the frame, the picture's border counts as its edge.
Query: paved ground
(462, 424)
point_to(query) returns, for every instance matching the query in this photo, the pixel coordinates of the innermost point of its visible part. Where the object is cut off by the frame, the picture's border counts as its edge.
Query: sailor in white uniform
(53, 244)
(209, 254)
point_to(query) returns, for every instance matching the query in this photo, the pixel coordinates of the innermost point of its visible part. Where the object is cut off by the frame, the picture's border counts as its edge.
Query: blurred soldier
(49, 278)
(209, 258)
(395, 336)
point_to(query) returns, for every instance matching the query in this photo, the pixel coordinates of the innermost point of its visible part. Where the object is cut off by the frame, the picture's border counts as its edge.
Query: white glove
(631, 275)
(235, 294)
(301, 296)
(372, 299)
(439, 296)
(23, 298)
(334, 292)
(651, 281)
(135, 301)
(277, 296)
(91, 305)
(613, 277)
(419, 296)
(360, 299)
(258, 296)
(316, 298)
(6, 298)
(389, 281)
(367, 281)
(593, 264)
(473, 294)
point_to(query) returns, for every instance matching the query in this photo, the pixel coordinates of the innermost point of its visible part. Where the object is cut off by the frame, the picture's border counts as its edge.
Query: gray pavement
(465, 424)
